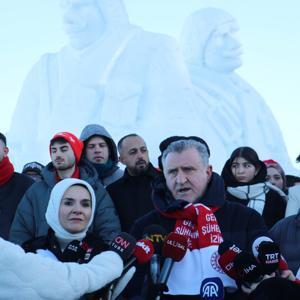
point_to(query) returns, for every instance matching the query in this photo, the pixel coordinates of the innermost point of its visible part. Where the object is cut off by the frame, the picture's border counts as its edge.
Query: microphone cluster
(248, 268)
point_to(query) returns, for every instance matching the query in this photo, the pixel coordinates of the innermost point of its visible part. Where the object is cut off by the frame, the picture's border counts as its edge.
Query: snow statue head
(209, 40)
(85, 21)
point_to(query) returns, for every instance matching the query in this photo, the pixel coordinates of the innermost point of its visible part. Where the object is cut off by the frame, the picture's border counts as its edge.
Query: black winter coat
(10, 195)
(132, 196)
(239, 224)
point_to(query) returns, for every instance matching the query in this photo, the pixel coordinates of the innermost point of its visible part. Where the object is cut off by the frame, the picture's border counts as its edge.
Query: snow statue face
(223, 50)
(83, 22)
(208, 40)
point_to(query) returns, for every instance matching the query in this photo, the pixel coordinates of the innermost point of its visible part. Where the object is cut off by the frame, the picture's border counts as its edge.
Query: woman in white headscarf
(69, 214)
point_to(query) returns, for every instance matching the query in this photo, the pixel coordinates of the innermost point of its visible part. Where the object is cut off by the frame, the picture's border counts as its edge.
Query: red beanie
(75, 143)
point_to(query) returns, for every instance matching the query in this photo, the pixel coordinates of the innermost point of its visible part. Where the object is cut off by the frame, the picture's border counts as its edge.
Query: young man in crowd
(131, 194)
(101, 151)
(12, 187)
(65, 152)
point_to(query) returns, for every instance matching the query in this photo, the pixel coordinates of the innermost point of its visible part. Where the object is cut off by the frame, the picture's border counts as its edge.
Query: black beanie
(166, 142)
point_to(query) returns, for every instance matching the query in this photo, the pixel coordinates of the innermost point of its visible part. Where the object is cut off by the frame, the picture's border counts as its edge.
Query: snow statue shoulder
(111, 73)
(238, 116)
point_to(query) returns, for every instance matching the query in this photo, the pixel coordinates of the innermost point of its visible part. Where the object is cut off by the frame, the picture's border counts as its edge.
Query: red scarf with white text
(198, 223)
(6, 170)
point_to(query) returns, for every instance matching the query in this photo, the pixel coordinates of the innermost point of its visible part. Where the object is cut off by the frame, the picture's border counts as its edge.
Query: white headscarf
(52, 213)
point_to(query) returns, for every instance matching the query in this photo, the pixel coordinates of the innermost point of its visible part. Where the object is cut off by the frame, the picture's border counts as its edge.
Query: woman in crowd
(69, 214)
(276, 175)
(245, 180)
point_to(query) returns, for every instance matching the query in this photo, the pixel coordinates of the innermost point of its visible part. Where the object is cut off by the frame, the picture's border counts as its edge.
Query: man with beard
(131, 194)
(65, 152)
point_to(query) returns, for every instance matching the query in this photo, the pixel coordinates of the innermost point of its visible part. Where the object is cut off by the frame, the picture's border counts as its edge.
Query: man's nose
(181, 177)
(97, 148)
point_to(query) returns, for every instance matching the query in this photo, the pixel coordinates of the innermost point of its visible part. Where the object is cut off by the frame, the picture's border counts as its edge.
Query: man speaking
(189, 200)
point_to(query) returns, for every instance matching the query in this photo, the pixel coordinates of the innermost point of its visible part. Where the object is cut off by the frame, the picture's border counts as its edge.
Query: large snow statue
(237, 114)
(111, 73)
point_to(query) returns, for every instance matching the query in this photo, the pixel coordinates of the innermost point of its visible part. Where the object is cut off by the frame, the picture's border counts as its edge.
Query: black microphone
(174, 249)
(156, 234)
(268, 254)
(247, 268)
(123, 244)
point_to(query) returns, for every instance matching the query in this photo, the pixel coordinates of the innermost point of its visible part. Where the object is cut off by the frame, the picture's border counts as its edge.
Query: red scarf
(76, 174)
(198, 223)
(6, 170)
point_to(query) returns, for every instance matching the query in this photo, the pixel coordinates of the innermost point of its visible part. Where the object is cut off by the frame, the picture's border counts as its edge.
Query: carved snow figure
(237, 114)
(111, 73)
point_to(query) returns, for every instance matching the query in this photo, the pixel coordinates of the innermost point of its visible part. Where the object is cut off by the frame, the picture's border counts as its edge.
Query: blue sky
(269, 32)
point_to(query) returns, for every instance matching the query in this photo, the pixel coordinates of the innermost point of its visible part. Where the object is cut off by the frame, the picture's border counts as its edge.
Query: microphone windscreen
(175, 246)
(212, 289)
(143, 251)
(123, 244)
(228, 252)
(257, 242)
(156, 234)
(269, 256)
(247, 267)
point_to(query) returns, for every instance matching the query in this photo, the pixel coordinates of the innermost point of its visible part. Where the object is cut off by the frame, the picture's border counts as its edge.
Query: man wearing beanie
(12, 187)
(101, 151)
(65, 152)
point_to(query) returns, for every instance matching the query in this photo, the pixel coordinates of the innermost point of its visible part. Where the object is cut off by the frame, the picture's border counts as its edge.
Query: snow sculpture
(237, 114)
(111, 73)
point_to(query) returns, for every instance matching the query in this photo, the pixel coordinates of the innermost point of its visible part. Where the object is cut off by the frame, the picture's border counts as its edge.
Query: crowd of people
(66, 227)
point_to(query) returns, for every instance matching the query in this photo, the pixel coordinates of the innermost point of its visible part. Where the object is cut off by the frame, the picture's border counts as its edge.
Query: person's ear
(6, 150)
(209, 172)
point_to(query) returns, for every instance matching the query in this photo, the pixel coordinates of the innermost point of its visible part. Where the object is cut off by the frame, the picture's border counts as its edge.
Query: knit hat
(270, 163)
(52, 213)
(166, 142)
(3, 138)
(75, 143)
(33, 166)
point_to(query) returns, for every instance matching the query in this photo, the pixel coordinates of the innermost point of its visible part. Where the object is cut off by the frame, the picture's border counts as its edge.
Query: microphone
(247, 268)
(142, 253)
(156, 234)
(228, 252)
(212, 289)
(237, 264)
(268, 254)
(123, 244)
(174, 249)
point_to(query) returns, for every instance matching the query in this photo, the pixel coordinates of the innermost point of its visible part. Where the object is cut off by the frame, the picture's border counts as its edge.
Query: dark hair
(291, 180)
(120, 143)
(248, 154)
(298, 159)
(3, 138)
